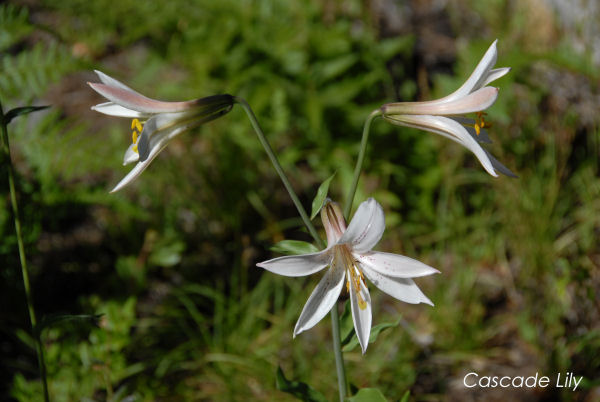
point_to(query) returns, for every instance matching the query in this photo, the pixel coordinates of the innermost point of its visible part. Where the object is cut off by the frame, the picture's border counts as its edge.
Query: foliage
(170, 263)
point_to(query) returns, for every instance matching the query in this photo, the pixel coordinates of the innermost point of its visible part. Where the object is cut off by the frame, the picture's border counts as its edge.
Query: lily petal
(403, 289)
(476, 101)
(482, 137)
(110, 81)
(395, 265)
(361, 314)
(322, 299)
(494, 74)
(479, 76)
(448, 128)
(134, 101)
(500, 167)
(333, 221)
(366, 228)
(297, 265)
(130, 155)
(112, 109)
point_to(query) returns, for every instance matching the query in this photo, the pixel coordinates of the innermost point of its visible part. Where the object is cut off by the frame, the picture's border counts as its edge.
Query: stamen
(135, 123)
(135, 149)
(134, 137)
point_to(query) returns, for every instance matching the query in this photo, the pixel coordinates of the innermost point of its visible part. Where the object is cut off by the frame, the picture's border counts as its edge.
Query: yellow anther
(134, 137)
(348, 286)
(362, 304)
(477, 129)
(135, 124)
(134, 148)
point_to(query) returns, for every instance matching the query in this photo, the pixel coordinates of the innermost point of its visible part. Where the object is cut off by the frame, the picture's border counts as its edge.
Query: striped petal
(360, 303)
(394, 265)
(297, 265)
(403, 289)
(366, 228)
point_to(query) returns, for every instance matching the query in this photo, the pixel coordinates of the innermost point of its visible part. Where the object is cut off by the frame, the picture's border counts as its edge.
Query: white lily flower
(349, 256)
(155, 123)
(443, 116)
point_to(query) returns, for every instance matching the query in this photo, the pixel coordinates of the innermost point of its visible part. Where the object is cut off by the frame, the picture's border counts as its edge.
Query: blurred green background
(170, 261)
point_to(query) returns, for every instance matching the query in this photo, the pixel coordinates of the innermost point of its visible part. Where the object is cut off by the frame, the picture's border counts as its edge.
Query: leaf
(11, 114)
(405, 396)
(299, 389)
(368, 395)
(53, 319)
(353, 342)
(317, 203)
(294, 247)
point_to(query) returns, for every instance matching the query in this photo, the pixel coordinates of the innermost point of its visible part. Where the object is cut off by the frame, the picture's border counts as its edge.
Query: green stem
(26, 285)
(335, 321)
(279, 170)
(359, 162)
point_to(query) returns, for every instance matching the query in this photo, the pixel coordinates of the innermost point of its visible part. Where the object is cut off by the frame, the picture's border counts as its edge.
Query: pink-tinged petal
(477, 101)
(394, 265)
(132, 100)
(366, 228)
(494, 74)
(333, 221)
(112, 109)
(403, 289)
(322, 299)
(448, 128)
(297, 265)
(360, 303)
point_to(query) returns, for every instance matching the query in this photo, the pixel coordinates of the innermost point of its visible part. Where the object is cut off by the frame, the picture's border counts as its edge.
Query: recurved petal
(322, 299)
(130, 99)
(158, 142)
(494, 74)
(500, 167)
(366, 227)
(110, 81)
(130, 155)
(112, 109)
(448, 128)
(394, 265)
(482, 137)
(297, 265)
(360, 303)
(479, 75)
(404, 289)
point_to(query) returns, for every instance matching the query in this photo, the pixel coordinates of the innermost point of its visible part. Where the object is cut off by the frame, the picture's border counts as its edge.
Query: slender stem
(26, 285)
(279, 170)
(337, 349)
(335, 321)
(359, 162)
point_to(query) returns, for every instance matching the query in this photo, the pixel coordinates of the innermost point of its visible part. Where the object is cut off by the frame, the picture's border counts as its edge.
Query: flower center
(137, 128)
(480, 122)
(354, 277)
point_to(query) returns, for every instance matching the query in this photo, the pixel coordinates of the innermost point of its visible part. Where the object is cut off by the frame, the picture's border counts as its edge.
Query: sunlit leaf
(320, 197)
(299, 389)
(294, 247)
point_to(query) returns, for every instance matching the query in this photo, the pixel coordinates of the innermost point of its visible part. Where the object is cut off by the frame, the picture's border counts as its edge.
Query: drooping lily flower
(154, 123)
(350, 258)
(445, 116)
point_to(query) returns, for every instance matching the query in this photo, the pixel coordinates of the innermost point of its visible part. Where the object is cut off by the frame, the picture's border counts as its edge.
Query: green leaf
(299, 389)
(320, 197)
(11, 114)
(54, 319)
(294, 247)
(368, 395)
(405, 396)
(353, 342)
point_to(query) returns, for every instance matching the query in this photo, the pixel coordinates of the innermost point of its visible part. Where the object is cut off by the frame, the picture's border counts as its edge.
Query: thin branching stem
(335, 321)
(359, 162)
(24, 272)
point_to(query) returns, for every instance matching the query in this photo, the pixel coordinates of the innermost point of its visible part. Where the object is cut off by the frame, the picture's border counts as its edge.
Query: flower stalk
(28, 294)
(335, 321)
